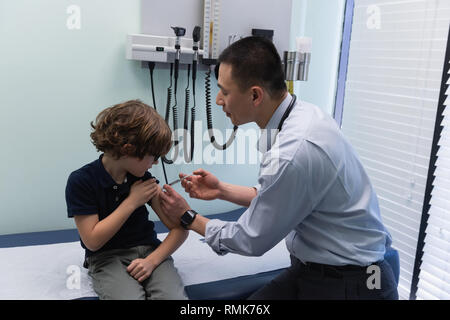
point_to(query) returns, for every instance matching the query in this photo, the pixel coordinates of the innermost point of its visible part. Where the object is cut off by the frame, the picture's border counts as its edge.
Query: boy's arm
(95, 233)
(141, 269)
(156, 206)
(177, 234)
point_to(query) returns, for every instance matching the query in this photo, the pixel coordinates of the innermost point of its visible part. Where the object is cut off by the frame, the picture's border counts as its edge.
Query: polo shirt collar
(106, 181)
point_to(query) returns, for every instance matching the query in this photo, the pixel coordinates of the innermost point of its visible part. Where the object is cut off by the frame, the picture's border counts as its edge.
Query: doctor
(312, 190)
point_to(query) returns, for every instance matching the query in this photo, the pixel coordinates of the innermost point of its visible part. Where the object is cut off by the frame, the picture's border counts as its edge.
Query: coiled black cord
(187, 93)
(194, 76)
(187, 97)
(208, 99)
(151, 67)
(175, 114)
(175, 106)
(169, 96)
(209, 116)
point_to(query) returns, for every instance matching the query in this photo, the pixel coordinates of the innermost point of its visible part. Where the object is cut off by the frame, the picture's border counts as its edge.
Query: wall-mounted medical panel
(222, 22)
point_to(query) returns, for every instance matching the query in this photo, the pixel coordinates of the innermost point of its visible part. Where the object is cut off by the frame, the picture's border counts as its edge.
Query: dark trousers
(322, 282)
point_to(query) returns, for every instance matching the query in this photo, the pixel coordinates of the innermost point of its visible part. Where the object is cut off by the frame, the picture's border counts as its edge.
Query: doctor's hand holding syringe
(201, 184)
(204, 185)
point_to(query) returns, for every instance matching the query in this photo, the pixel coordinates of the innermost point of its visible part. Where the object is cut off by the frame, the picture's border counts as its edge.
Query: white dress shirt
(312, 191)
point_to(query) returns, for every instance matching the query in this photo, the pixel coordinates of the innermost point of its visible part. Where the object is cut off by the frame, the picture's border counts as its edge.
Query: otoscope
(179, 32)
(196, 38)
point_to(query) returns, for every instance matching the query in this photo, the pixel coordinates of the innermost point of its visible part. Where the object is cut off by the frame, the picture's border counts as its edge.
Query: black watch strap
(187, 218)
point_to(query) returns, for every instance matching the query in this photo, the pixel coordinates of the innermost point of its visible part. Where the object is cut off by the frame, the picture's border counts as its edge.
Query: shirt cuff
(212, 235)
(257, 187)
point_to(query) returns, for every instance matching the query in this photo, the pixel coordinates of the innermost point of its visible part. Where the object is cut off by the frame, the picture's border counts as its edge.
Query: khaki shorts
(112, 281)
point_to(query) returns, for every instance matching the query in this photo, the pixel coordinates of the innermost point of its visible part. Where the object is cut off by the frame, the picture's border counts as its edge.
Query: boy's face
(137, 167)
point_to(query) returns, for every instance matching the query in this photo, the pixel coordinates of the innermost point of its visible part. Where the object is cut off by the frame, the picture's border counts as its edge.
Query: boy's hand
(141, 192)
(141, 269)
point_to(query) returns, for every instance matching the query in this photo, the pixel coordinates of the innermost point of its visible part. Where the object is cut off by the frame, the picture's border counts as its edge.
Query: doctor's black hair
(255, 61)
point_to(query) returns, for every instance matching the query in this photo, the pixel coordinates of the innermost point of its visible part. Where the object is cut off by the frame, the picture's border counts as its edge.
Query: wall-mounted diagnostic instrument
(296, 63)
(165, 43)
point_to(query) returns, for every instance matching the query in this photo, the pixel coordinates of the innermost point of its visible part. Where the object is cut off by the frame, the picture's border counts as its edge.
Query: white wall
(54, 81)
(322, 20)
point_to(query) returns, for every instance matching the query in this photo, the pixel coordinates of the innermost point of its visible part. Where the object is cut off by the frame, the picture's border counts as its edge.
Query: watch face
(188, 217)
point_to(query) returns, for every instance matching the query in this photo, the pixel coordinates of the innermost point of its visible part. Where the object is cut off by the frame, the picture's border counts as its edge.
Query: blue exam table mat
(205, 274)
(71, 235)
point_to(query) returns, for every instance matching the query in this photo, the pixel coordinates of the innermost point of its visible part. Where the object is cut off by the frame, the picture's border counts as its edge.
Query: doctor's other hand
(201, 185)
(173, 205)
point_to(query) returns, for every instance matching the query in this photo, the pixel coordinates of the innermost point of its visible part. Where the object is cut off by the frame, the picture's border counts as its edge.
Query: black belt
(333, 271)
(348, 267)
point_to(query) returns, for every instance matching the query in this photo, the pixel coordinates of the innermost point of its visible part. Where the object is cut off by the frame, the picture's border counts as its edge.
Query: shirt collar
(106, 181)
(269, 133)
(105, 178)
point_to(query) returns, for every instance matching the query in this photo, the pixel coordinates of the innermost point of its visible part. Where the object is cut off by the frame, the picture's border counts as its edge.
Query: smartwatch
(187, 218)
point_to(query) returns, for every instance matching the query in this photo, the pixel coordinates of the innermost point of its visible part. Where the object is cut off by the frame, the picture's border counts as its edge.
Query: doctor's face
(236, 104)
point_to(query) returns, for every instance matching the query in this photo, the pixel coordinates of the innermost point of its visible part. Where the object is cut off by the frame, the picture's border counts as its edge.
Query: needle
(179, 180)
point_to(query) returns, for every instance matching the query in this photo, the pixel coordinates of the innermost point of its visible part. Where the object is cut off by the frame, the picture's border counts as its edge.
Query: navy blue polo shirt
(91, 190)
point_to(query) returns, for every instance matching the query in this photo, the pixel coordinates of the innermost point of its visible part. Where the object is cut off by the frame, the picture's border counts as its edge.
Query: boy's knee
(110, 290)
(122, 295)
(168, 293)
(165, 283)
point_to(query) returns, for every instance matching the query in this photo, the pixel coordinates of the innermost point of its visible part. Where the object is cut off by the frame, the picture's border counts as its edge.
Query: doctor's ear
(257, 94)
(216, 71)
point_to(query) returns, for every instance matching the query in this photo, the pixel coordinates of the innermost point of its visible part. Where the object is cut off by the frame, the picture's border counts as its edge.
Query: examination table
(49, 265)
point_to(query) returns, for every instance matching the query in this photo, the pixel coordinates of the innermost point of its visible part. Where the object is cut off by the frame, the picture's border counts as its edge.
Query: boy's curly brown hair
(132, 123)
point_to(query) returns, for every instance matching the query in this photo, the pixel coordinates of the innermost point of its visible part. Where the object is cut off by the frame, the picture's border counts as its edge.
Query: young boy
(107, 199)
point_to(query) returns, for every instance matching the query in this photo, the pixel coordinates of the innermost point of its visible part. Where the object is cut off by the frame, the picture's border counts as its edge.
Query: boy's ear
(128, 149)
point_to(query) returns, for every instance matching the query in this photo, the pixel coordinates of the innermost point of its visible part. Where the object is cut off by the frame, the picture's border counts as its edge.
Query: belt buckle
(325, 270)
(333, 272)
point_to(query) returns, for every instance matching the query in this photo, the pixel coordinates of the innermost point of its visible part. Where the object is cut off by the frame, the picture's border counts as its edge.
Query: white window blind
(394, 73)
(434, 277)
